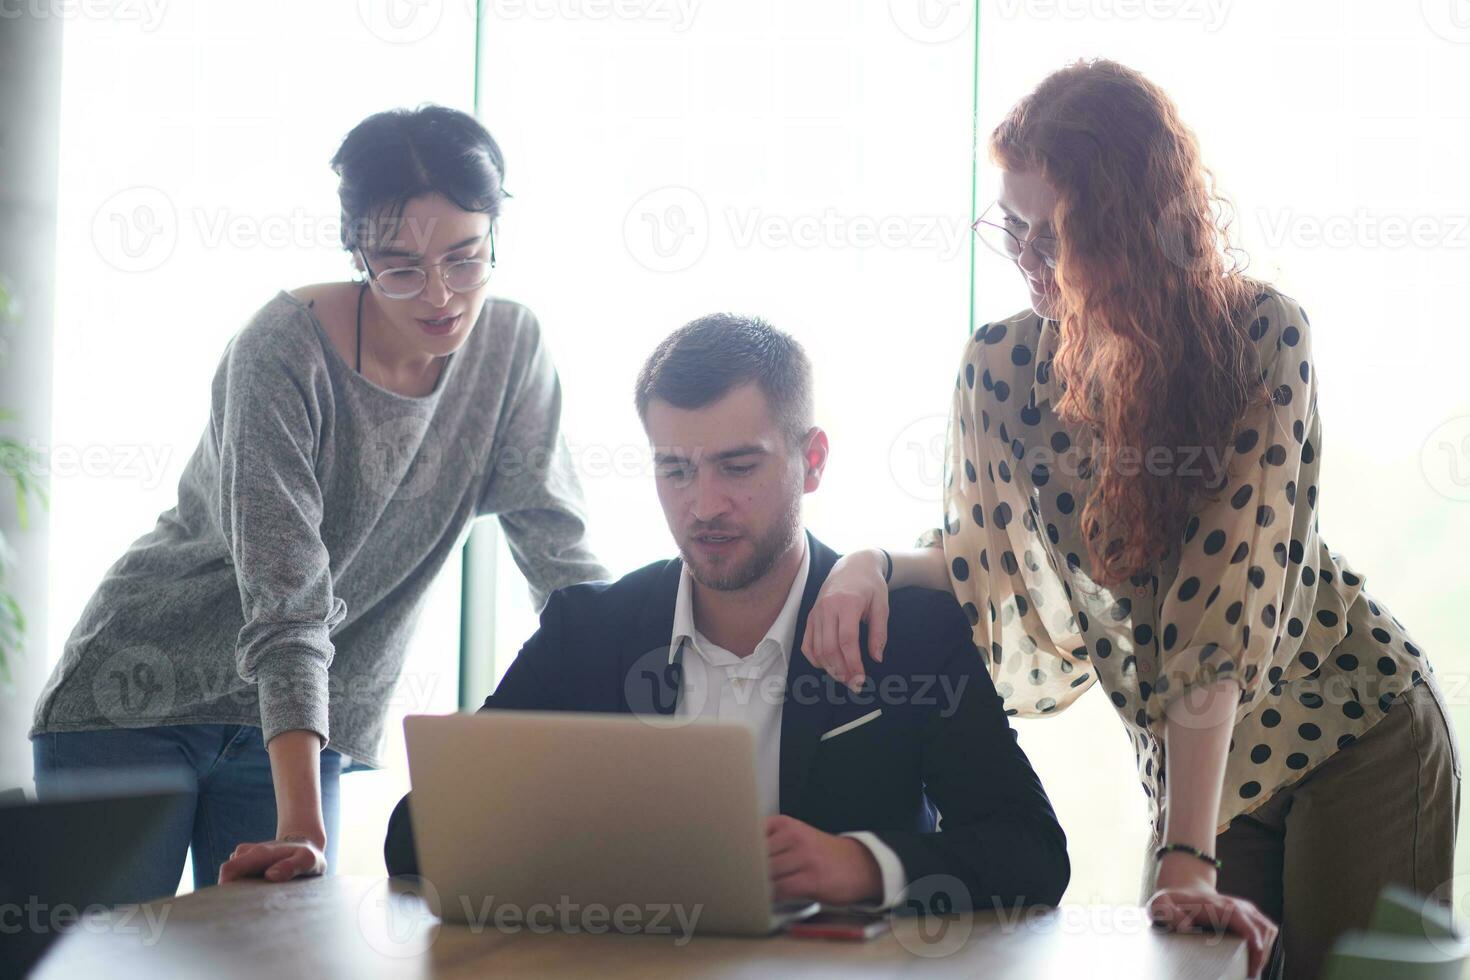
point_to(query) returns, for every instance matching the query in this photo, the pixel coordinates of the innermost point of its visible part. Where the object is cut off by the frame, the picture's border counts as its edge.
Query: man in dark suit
(849, 778)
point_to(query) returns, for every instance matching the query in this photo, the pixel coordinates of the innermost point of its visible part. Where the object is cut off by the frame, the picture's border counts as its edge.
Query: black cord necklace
(360, 294)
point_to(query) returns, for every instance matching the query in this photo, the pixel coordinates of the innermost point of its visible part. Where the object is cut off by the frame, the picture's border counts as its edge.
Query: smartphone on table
(839, 925)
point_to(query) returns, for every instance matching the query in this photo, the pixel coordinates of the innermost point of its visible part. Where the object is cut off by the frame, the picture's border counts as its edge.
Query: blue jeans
(234, 799)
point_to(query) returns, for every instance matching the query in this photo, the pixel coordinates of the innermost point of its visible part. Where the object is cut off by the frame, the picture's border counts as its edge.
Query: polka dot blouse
(1252, 593)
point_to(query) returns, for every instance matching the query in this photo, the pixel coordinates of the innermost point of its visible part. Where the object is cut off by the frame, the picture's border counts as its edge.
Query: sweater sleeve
(532, 486)
(265, 422)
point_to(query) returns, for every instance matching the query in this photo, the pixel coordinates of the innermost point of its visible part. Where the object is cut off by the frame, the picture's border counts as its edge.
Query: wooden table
(355, 927)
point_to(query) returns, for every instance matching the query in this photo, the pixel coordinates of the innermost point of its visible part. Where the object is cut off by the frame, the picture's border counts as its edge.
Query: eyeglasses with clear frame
(1003, 242)
(406, 282)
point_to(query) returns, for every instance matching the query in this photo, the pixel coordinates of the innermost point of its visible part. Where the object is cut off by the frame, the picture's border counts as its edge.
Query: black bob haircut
(392, 157)
(699, 363)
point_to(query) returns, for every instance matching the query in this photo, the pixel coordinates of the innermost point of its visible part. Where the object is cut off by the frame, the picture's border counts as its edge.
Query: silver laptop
(514, 812)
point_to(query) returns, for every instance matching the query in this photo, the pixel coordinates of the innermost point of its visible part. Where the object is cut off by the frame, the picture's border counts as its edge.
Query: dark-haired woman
(254, 637)
(1131, 502)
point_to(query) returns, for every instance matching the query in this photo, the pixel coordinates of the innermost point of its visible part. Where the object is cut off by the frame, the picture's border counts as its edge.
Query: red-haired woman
(1131, 499)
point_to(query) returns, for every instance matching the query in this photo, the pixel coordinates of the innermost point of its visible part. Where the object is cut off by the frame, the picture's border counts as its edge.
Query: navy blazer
(941, 739)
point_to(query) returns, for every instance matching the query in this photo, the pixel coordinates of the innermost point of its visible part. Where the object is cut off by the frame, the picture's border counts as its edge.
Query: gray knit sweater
(282, 589)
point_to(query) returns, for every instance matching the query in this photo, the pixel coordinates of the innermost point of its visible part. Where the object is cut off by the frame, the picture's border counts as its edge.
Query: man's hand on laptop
(288, 856)
(807, 863)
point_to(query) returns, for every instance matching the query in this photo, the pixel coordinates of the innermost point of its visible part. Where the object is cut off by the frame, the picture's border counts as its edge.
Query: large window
(194, 185)
(807, 162)
(811, 163)
(1339, 130)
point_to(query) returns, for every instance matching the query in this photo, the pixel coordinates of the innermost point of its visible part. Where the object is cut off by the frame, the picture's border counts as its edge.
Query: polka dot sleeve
(1001, 569)
(1240, 571)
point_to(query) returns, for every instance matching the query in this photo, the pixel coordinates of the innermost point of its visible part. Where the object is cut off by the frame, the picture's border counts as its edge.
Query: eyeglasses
(1002, 241)
(459, 276)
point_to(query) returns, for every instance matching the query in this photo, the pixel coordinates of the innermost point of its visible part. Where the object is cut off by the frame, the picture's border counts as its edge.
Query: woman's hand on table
(1187, 901)
(288, 856)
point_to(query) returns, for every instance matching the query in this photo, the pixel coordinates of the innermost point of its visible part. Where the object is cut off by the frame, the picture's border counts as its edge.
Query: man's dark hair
(699, 363)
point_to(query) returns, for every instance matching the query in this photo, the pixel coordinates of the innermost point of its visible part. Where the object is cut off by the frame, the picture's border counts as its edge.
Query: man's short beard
(768, 551)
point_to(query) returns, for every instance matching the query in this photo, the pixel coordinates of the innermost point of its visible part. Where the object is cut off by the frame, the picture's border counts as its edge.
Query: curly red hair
(1153, 348)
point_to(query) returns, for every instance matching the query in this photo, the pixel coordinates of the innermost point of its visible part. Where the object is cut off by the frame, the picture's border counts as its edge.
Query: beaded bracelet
(1185, 848)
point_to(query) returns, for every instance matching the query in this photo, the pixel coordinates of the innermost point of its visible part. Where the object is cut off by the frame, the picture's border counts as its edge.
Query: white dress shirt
(719, 686)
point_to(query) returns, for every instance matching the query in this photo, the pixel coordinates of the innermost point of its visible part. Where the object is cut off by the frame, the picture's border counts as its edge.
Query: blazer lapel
(811, 694)
(651, 673)
(647, 665)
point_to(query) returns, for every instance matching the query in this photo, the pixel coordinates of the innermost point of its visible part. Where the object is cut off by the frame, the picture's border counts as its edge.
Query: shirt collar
(782, 632)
